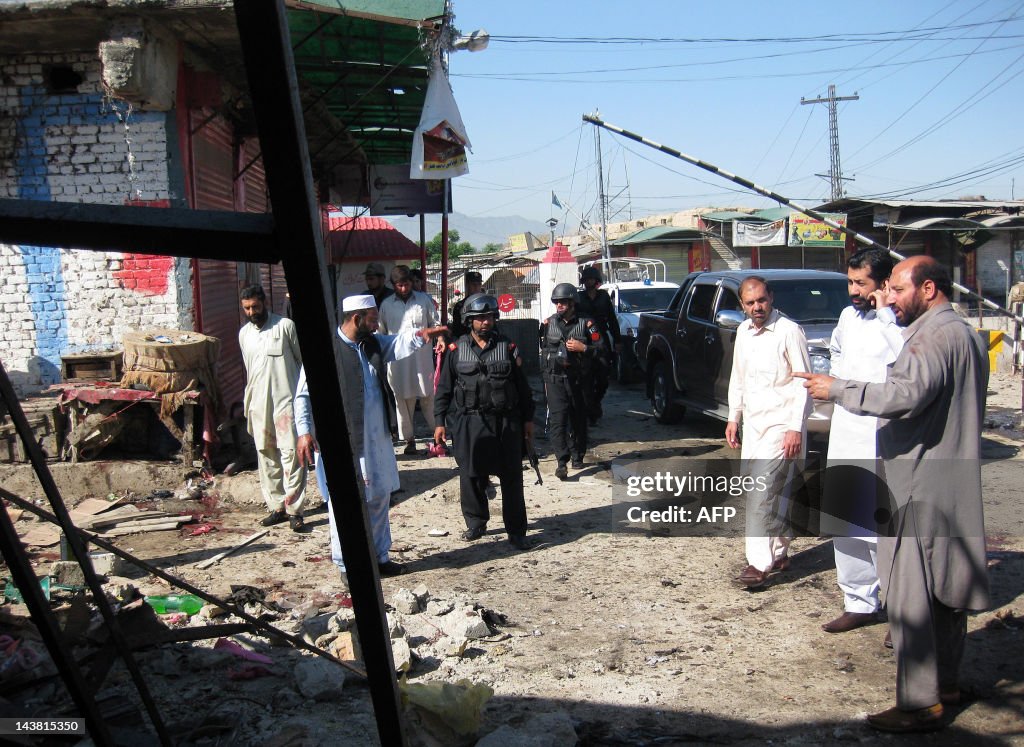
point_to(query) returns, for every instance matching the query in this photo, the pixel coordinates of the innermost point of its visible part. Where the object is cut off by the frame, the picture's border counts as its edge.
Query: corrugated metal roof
(724, 215)
(362, 63)
(660, 234)
(772, 214)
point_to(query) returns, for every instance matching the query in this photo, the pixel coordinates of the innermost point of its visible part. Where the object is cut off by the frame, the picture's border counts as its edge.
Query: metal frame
(293, 236)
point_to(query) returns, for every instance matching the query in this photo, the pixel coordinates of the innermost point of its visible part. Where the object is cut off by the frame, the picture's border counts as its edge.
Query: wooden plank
(170, 232)
(120, 531)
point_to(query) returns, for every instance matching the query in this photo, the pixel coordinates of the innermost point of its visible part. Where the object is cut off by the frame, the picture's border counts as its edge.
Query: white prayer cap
(355, 303)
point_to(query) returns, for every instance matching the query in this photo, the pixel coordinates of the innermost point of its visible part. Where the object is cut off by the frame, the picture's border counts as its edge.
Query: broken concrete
(319, 680)
(405, 602)
(553, 729)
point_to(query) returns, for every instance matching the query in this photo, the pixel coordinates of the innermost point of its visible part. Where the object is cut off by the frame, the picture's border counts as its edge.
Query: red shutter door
(218, 311)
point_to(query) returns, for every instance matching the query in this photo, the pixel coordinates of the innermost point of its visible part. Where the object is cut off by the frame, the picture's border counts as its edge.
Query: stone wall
(62, 139)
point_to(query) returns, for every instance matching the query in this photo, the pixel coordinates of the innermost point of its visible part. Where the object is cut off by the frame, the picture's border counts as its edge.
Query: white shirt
(862, 347)
(412, 376)
(763, 393)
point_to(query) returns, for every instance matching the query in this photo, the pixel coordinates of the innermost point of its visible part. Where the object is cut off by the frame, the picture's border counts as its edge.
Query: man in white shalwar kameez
(363, 356)
(270, 351)
(411, 378)
(773, 407)
(865, 341)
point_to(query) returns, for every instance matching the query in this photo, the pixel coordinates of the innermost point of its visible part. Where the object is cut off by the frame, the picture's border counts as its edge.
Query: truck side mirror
(729, 318)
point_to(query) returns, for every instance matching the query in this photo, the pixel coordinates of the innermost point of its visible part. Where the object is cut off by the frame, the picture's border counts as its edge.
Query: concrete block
(319, 679)
(67, 573)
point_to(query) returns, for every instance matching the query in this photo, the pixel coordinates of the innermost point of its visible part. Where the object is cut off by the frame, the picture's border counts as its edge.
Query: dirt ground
(639, 638)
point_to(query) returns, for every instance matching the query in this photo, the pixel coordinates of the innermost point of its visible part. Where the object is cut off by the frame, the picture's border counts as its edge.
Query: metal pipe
(866, 240)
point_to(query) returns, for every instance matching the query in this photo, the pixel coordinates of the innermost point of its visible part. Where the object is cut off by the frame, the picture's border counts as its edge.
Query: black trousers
(474, 500)
(600, 376)
(567, 415)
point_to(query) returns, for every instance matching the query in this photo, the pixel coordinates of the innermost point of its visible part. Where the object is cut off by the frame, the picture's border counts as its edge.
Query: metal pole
(274, 89)
(39, 610)
(444, 253)
(602, 198)
(79, 550)
(866, 240)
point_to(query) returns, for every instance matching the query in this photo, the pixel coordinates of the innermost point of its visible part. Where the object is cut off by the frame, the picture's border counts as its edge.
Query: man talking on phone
(865, 341)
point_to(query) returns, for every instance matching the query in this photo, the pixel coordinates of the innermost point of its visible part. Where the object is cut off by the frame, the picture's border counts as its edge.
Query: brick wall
(62, 140)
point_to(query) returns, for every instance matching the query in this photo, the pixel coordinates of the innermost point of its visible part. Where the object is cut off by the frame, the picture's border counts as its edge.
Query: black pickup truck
(686, 350)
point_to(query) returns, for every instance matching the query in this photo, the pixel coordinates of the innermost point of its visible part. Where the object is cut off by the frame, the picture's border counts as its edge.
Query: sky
(938, 115)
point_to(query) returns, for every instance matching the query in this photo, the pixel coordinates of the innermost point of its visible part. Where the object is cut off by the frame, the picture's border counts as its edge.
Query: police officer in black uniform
(569, 346)
(597, 305)
(474, 284)
(484, 397)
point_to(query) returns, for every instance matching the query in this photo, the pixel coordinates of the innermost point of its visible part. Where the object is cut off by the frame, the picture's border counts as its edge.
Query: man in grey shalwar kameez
(931, 561)
(363, 355)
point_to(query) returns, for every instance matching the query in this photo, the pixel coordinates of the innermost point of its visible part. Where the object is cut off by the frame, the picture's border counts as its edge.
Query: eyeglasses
(561, 303)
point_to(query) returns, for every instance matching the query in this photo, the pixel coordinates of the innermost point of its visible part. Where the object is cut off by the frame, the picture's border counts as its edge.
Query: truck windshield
(645, 299)
(811, 300)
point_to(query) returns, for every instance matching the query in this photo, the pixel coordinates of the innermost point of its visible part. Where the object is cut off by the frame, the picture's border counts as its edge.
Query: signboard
(392, 192)
(807, 231)
(759, 234)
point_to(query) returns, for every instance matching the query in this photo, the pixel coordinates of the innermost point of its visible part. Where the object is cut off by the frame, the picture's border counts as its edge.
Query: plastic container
(187, 603)
(13, 594)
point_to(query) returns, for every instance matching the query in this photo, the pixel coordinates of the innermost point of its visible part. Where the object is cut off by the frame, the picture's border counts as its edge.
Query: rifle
(534, 462)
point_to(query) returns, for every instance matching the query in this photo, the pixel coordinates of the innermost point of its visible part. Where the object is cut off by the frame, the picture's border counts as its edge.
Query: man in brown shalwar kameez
(931, 561)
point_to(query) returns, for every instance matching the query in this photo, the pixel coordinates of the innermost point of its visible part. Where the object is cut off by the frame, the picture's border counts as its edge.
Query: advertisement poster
(807, 231)
(759, 234)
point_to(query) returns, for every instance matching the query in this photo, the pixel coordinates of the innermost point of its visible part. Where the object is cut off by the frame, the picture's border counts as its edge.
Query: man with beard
(411, 378)
(484, 395)
(865, 341)
(569, 346)
(375, 285)
(474, 283)
(270, 351)
(932, 561)
(362, 356)
(773, 407)
(596, 304)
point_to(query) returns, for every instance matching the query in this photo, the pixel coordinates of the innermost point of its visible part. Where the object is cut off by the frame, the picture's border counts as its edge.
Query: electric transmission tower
(835, 173)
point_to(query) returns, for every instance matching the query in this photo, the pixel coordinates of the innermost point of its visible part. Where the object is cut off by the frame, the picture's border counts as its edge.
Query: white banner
(440, 141)
(759, 234)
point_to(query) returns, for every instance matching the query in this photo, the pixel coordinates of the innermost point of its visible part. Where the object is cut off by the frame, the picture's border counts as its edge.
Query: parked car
(635, 284)
(686, 351)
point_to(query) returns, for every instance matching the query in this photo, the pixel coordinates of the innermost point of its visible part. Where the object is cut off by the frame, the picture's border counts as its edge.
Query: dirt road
(639, 638)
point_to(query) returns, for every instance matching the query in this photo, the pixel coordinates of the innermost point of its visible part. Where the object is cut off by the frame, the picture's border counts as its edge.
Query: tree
(456, 248)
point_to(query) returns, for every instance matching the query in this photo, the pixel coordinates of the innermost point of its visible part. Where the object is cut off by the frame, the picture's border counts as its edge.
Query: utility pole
(602, 198)
(835, 170)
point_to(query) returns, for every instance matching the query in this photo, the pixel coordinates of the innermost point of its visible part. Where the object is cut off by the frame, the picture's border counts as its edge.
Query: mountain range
(478, 231)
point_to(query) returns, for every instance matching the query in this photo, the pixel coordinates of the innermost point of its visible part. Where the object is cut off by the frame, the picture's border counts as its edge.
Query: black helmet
(480, 304)
(591, 272)
(564, 292)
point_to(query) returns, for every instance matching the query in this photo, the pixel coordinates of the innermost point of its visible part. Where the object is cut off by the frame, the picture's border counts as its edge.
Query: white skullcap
(356, 303)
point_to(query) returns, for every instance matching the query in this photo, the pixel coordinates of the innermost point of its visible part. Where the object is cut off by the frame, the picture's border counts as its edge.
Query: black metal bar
(49, 630)
(170, 232)
(79, 551)
(260, 625)
(866, 240)
(273, 87)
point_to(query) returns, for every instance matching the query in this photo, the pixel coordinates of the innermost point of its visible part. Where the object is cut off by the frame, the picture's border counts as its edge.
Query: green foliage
(456, 248)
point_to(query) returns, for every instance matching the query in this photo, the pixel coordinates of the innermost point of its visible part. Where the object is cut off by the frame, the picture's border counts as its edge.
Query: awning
(660, 235)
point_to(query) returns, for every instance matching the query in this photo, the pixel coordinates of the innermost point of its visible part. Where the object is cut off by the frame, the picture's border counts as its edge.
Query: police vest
(556, 358)
(485, 381)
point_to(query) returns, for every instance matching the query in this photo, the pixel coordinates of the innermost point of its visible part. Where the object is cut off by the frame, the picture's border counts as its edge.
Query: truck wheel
(663, 392)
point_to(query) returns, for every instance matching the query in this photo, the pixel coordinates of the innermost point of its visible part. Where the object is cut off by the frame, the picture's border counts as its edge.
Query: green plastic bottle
(187, 603)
